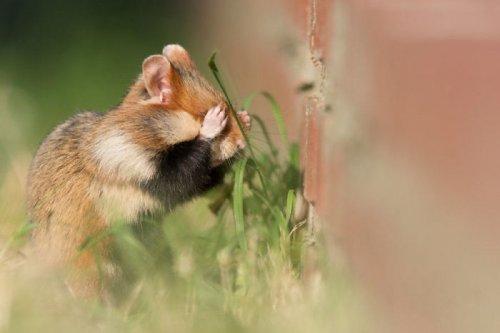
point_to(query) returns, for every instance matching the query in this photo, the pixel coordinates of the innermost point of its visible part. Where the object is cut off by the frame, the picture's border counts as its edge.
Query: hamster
(161, 146)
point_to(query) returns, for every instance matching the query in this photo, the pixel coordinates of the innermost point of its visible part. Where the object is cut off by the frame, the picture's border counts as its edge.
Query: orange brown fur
(87, 173)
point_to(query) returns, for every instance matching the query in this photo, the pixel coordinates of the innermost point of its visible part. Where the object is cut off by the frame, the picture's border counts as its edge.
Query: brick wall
(416, 123)
(404, 170)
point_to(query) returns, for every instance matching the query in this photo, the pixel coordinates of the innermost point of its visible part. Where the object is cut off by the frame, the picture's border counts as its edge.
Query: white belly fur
(123, 202)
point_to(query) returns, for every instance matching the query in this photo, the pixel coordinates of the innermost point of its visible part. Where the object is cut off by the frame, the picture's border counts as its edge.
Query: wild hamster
(161, 146)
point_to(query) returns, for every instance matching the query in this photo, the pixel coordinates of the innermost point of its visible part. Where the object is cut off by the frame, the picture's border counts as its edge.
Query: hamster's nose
(240, 144)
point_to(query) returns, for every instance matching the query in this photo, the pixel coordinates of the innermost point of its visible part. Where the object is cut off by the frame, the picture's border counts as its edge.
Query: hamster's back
(57, 181)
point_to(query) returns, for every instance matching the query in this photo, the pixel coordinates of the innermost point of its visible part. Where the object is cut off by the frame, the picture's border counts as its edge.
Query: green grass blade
(290, 203)
(217, 75)
(275, 109)
(215, 71)
(294, 155)
(267, 137)
(278, 117)
(239, 217)
(284, 223)
(247, 102)
(18, 236)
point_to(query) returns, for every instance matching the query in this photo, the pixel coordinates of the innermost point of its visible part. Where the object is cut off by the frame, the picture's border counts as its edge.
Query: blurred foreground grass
(228, 262)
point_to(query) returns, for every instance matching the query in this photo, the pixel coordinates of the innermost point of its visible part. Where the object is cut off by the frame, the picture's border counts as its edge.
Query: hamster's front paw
(245, 119)
(214, 122)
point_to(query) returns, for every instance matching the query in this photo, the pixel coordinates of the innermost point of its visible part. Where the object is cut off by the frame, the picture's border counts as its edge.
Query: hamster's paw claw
(213, 124)
(245, 119)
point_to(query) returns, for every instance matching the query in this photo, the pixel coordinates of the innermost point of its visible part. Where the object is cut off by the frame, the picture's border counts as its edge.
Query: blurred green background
(66, 56)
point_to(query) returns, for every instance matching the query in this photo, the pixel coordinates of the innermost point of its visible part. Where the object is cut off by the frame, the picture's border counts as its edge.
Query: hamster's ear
(178, 56)
(156, 72)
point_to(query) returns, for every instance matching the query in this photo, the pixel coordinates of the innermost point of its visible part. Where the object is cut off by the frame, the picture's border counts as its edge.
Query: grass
(231, 261)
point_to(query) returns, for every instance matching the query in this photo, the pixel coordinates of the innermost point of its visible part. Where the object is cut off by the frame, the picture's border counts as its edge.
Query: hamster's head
(173, 82)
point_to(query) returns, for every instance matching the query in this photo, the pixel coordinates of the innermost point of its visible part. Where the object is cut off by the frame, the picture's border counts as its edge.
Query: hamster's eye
(144, 94)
